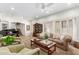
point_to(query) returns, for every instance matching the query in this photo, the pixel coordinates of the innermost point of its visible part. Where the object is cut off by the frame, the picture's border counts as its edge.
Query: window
(70, 28)
(70, 23)
(57, 26)
(63, 24)
(48, 27)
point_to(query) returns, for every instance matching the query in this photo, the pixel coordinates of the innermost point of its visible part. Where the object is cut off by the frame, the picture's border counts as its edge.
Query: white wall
(65, 15)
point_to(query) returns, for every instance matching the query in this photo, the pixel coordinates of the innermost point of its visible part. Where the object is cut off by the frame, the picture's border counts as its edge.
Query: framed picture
(28, 27)
(4, 25)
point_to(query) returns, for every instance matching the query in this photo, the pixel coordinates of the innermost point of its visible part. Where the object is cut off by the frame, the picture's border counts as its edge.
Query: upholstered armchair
(19, 49)
(63, 44)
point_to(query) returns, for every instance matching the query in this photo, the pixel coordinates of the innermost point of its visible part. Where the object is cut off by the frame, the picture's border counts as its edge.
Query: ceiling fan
(45, 7)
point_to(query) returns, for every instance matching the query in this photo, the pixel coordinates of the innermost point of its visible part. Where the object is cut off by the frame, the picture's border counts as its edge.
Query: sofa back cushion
(51, 35)
(75, 44)
(56, 36)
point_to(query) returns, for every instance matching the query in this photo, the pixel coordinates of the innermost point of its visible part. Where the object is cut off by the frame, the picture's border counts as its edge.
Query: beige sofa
(64, 43)
(18, 50)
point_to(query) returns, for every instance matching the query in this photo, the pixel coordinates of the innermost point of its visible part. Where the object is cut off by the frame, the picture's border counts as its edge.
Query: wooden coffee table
(45, 45)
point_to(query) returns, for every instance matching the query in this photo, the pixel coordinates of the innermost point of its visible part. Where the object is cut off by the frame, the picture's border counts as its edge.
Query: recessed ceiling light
(47, 11)
(42, 10)
(69, 4)
(12, 8)
(36, 16)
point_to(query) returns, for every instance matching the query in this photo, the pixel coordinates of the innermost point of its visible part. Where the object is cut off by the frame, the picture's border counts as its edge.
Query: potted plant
(46, 37)
(7, 40)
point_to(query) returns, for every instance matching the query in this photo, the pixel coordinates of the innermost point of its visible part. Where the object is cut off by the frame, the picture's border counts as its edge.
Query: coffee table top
(47, 42)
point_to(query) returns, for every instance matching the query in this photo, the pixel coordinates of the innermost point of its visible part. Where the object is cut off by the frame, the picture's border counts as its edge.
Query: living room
(50, 29)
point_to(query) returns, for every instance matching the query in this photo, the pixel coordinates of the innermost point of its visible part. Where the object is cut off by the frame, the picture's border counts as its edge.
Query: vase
(46, 40)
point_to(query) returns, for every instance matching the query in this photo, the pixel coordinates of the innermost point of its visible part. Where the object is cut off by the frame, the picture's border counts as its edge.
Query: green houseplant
(46, 37)
(7, 40)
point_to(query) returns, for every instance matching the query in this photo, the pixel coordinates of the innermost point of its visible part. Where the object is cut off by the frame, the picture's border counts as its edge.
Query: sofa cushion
(4, 50)
(75, 44)
(58, 41)
(51, 35)
(56, 36)
(27, 51)
(61, 37)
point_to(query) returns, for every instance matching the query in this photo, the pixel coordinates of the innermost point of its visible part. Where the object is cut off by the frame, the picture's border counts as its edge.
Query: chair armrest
(16, 48)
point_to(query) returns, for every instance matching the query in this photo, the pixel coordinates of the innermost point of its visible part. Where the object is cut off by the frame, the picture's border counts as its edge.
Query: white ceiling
(28, 10)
